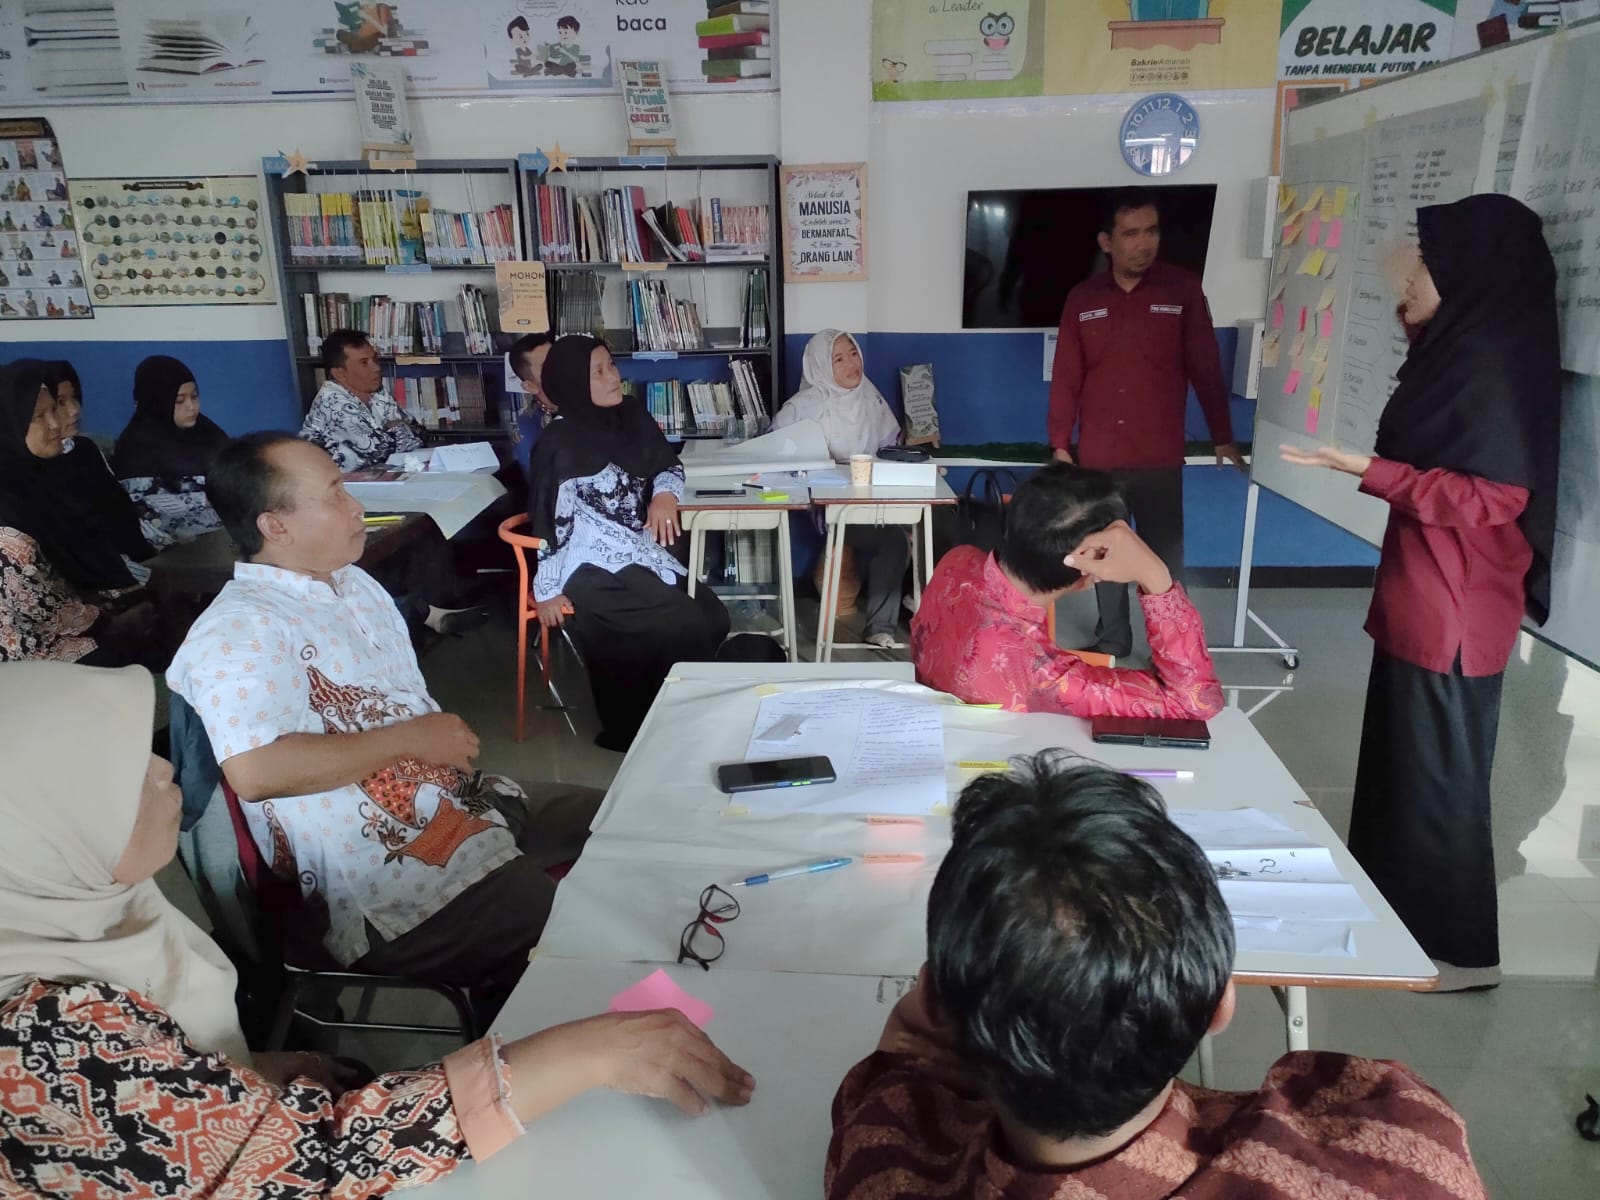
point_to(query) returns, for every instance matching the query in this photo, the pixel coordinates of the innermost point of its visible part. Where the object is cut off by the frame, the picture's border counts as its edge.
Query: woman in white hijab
(855, 419)
(127, 1071)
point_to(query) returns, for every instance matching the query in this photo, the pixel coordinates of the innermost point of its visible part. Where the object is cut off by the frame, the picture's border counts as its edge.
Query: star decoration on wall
(558, 158)
(297, 163)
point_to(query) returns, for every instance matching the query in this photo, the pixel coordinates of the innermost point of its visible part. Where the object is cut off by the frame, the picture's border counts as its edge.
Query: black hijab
(152, 444)
(586, 438)
(1480, 390)
(45, 497)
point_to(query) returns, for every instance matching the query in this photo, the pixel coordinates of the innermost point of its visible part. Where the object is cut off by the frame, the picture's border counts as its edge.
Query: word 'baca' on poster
(40, 275)
(825, 222)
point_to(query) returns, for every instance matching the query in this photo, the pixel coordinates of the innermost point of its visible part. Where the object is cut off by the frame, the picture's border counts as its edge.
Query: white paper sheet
(1237, 827)
(416, 491)
(464, 456)
(1294, 901)
(1331, 939)
(887, 750)
(1298, 864)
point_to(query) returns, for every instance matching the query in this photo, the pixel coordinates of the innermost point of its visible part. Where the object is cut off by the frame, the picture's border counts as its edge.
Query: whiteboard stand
(1242, 616)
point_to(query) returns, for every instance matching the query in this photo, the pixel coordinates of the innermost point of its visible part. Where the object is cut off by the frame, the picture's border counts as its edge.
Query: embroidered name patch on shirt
(1094, 314)
(1174, 310)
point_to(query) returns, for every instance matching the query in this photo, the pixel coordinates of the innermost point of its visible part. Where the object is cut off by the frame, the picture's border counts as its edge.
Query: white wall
(925, 158)
(231, 139)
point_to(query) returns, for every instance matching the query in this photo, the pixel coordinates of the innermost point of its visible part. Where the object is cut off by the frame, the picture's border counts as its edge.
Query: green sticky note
(773, 496)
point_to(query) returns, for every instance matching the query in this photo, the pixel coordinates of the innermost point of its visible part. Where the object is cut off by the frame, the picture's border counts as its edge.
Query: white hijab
(854, 420)
(75, 742)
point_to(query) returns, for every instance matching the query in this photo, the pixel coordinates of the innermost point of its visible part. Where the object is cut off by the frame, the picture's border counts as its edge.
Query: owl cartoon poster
(956, 49)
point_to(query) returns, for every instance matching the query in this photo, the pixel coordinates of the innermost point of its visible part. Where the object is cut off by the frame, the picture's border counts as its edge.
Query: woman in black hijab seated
(603, 495)
(166, 449)
(1467, 454)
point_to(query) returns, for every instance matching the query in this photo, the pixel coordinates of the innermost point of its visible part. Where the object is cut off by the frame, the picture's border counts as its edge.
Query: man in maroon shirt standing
(1133, 339)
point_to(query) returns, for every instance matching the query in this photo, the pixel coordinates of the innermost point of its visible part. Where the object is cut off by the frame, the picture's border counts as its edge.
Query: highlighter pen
(394, 520)
(983, 766)
(1162, 773)
(826, 864)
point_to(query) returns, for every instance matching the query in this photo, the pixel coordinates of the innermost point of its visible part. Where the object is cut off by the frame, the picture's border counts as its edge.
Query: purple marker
(1160, 774)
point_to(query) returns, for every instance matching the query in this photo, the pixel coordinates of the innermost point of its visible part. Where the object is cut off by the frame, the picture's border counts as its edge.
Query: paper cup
(860, 469)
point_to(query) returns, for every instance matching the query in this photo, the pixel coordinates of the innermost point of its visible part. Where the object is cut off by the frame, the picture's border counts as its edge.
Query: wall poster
(68, 51)
(40, 275)
(825, 223)
(173, 241)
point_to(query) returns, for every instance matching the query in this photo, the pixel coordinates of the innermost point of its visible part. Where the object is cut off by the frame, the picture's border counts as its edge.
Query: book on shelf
(754, 329)
(393, 228)
(575, 303)
(661, 321)
(614, 225)
(734, 231)
(398, 326)
(701, 408)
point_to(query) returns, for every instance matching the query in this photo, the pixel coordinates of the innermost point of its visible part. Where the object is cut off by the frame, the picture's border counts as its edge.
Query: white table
(451, 498)
(701, 514)
(873, 504)
(812, 967)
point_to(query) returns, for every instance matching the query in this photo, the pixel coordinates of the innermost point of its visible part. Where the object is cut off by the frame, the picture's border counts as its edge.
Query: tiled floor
(1515, 1061)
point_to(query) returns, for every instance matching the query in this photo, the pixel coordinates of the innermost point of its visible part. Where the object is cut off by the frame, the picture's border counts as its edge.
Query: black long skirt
(1420, 825)
(630, 628)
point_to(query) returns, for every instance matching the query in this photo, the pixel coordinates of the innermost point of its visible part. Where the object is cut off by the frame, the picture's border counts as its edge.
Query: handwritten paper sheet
(1265, 935)
(887, 750)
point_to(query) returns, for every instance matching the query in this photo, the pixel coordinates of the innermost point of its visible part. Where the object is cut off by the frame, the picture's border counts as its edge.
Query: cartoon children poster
(546, 45)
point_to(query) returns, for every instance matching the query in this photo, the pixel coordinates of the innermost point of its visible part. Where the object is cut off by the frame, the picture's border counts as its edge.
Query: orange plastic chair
(527, 610)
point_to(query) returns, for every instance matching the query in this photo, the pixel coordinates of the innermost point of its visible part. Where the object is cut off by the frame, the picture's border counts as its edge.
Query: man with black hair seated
(359, 792)
(980, 633)
(1078, 950)
(352, 417)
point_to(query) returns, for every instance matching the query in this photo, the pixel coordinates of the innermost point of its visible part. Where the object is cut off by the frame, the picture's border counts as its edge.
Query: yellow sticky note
(1321, 373)
(1341, 198)
(1277, 292)
(1299, 346)
(1320, 353)
(1316, 397)
(1327, 209)
(1313, 262)
(1269, 354)
(1326, 299)
(1286, 197)
(1316, 199)
(1330, 264)
(736, 810)
(767, 689)
(1281, 265)
(1291, 232)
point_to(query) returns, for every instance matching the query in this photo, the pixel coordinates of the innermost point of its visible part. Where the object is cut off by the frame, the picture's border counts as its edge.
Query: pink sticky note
(1325, 323)
(660, 990)
(1335, 234)
(1291, 385)
(1279, 315)
(1313, 229)
(1304, 314)
(1313, 417)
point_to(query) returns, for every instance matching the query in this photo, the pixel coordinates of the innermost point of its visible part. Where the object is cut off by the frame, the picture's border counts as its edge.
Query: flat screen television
(1027, 249)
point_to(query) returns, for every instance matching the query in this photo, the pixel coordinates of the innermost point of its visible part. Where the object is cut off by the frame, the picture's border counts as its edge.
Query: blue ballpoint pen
(826, 864)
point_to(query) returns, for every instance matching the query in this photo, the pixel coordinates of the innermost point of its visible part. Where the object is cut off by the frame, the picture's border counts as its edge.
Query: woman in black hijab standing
(604, 487)
(164, 452)
(1467, 454)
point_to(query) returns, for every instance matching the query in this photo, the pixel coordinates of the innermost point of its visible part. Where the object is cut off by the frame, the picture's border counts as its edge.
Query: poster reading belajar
(1109, 46)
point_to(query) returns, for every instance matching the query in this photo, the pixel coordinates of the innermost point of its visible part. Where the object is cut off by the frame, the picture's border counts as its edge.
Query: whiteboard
(1523, 119)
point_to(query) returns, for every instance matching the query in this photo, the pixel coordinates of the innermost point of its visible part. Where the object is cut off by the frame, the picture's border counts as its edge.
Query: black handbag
(979, 516)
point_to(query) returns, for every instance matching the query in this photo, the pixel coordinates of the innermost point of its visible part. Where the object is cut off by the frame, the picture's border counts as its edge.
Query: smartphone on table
(1152, 732)
(774, 773)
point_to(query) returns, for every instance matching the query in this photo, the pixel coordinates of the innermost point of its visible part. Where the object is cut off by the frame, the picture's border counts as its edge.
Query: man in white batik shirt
(352, 417)
(356, 787)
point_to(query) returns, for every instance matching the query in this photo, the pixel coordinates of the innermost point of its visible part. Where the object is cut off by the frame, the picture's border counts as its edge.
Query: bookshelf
(683, 316)
(409, 257)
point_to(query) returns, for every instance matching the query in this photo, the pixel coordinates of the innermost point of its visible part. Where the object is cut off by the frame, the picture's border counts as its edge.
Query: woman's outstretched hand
(1329, 457)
